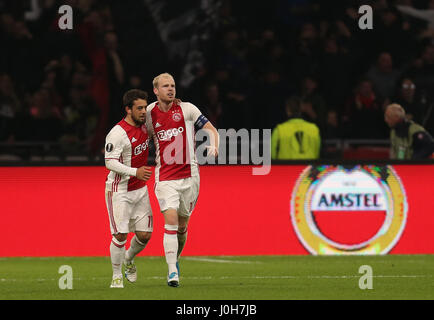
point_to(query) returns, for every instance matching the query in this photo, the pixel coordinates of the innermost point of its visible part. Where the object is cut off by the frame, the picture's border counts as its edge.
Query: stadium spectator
(212, 104)
(363, 117)
(332, 129)
(79, 121)
(384, 76)
(295, 138)
(268, 95)
(422, 69)
(409, 140)
(313, 107)
(414, 104)
(305, 61)
(45, 123)
(335, 68)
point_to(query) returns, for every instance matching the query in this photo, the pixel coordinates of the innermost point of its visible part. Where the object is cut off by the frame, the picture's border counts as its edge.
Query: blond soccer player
(172, 124)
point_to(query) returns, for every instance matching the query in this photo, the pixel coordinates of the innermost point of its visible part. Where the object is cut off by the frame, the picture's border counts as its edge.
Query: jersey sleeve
(114, 147)
(192, 113)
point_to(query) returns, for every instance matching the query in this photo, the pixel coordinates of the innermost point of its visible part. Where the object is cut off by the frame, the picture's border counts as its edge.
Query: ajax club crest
(348, 210)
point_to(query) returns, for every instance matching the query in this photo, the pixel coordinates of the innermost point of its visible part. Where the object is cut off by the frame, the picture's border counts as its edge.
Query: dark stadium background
(60, 90)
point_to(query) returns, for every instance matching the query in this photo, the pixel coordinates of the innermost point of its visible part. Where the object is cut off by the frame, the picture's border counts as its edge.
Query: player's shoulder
(190, 110)
(187, 105)
(151, 106)
(116, 133)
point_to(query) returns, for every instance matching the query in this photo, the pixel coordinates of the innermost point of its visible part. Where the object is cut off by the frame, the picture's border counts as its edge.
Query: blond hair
(157, 78)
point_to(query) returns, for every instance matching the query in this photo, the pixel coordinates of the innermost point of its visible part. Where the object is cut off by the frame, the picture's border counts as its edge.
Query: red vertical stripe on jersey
(118, 178)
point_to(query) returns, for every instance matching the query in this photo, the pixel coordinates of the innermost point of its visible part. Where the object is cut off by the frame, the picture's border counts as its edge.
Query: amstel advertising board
(292, 210)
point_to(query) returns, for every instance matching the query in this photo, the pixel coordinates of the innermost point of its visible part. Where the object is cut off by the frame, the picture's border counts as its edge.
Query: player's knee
(182, 229)
(144, 237)
(121, 237)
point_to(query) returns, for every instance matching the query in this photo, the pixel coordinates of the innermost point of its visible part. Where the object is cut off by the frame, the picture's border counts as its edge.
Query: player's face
(166, 90)
(138, 111)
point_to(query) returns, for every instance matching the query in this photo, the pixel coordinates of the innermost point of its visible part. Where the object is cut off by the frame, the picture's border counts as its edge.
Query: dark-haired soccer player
(126, 193)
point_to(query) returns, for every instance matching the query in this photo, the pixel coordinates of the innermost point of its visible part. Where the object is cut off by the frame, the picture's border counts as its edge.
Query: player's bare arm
(213, 149)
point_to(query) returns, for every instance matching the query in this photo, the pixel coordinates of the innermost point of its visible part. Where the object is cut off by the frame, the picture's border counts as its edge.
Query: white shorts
(179, 194)
(129, 211)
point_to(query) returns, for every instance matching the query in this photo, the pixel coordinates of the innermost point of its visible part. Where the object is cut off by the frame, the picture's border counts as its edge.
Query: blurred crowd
(66, 85)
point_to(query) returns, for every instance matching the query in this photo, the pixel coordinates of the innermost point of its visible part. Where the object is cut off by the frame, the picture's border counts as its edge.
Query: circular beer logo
(348, 209)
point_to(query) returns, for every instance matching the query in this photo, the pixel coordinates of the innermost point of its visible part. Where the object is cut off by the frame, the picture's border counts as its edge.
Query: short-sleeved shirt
(173, 133)
(129, 145)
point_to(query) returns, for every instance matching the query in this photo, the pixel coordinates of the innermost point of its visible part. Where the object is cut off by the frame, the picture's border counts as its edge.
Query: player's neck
(164, 105)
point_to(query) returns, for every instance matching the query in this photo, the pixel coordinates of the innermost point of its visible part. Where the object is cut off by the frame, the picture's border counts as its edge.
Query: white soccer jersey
(173, 132)
(126, 149)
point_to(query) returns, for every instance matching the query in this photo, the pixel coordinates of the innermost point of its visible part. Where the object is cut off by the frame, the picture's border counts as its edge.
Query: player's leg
(188, 200)
(119, 230)
(137, 244)
(117, 253)
(168, 199)
(141, 223)
(182, 233)
(170, 243)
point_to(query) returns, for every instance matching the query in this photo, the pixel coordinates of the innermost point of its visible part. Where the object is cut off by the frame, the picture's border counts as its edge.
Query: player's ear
(128, 109)
(155, 91)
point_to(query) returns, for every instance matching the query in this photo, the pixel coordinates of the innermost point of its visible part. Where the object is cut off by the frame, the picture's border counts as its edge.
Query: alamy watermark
(66, 21)
(235, 147)
(366, 20)
(65, 281)
(366, 281)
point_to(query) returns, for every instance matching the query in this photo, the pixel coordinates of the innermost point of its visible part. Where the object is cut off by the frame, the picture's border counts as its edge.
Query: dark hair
(293, 105)
(132, 95)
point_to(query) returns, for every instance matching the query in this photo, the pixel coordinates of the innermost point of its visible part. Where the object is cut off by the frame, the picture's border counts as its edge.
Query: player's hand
(144, 173)
(212, 151)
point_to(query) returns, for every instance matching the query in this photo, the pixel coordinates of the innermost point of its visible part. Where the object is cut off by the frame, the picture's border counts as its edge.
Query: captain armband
(200, 122)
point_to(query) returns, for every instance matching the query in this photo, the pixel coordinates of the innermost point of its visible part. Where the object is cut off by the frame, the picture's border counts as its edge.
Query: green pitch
(225, 278)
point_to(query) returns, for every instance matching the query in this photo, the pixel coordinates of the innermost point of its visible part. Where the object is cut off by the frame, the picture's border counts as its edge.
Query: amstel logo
(349, 209)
